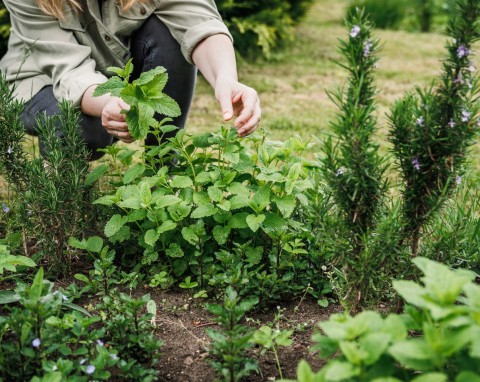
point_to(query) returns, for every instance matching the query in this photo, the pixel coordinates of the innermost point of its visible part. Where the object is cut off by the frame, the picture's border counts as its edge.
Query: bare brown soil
(182, 321)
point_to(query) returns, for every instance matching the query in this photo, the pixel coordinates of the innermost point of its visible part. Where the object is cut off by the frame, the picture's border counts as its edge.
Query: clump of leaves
(144, 95)
(230, 343)
(443, 314)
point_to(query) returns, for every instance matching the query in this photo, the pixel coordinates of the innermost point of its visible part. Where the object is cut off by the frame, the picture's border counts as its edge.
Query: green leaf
(204, 211)
(167, 200)
(215, 194)
(340, 371)
(179, 181)
(77, 308)
(151, 237)
(10, 262)
(8, 296)
(286, 205)
(431, 377)
(167, 106)
(114, 224)
(133, 172)
(374, 345)
(150, 75)
(113, 86)
(174, 251)
(261, 199)
(221, 233)
(202, 140)
(166, 226)
(94, 244)
(37, 285)
(96, 174)
(255, 221)
(238, 221)
(414, 354)
(468, 376)
(131, 117)
(189, 235)
(179, 211)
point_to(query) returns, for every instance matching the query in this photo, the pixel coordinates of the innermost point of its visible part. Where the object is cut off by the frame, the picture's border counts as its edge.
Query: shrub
(384, 14)
(261, 26)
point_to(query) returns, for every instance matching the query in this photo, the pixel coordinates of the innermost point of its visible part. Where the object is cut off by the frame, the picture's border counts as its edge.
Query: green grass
(292, 85)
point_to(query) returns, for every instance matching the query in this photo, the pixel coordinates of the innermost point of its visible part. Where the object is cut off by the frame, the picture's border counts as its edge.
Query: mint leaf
(113, 86)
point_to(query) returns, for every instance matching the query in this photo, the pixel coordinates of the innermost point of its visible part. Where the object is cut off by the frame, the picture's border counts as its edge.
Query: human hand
(237, 99)
(113, 120)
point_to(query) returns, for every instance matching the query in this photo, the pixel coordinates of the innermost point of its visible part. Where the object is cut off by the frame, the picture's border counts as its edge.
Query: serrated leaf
(150, 75)
(255, 221)
(215, 194)
(238, 221)
(96, 174)
(189, 235)
(286, 205)
(431, 377)
(166, 226)
(221, 233)
(114, 224)
(94, 244)
(180, 181)
(133, 172)
(204, 211)
(151, 237)
(113, 86)
(167, 106)
(167, 200)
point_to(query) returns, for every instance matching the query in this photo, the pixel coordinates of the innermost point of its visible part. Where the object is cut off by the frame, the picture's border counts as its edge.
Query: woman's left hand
(237, 99)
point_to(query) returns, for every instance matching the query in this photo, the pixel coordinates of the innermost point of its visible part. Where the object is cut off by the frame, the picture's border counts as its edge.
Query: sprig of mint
(144, 95)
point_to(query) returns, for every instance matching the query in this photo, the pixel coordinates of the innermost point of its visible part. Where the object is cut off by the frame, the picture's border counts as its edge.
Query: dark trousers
(152, 45)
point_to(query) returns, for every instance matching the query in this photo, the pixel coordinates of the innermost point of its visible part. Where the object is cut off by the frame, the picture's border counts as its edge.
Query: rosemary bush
(51, 191)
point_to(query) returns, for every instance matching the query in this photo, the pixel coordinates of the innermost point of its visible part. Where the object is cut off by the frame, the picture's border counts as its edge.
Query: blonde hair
(55, 8)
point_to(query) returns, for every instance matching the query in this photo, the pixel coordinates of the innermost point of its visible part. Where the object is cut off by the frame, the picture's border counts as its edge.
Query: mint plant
(222, 196)
(229, 344)
(432, 129)
(144, 95)
(443, 316)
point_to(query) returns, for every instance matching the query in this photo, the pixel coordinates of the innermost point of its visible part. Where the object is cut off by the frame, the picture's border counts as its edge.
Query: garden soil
(181, 322)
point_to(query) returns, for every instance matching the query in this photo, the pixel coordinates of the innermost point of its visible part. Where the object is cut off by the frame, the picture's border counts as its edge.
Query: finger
(116, 125)
(110, 115)
(252, 124)
(249, 104)
(224, 97)
(120, 134)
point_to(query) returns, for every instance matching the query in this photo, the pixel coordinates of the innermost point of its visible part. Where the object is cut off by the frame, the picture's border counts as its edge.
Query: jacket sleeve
(191, 21)
(55, 51)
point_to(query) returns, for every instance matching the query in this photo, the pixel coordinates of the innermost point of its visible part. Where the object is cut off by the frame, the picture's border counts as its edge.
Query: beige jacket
(73, 54)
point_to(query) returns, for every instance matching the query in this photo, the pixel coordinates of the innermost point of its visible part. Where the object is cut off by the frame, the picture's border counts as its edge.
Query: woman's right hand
(113, 120)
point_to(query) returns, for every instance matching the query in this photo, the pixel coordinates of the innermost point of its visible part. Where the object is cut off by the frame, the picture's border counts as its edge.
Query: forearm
(215, 58)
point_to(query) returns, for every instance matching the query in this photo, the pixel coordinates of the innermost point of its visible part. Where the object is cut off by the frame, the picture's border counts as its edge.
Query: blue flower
(36, 342)
(340, 171)
(463, 51)
(458, 180)
(82, 361)
(416, 164)
(355, 31)
(100, 342)
(451, 124)
(421, 121)
(5, 208)
(90, 369)
(10, 150)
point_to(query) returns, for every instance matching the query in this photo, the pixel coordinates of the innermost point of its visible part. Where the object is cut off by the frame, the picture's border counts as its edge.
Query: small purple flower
(355, 31)
(367, 48)
(340, 171)
(56, 293)
(36, 342)
(114, 356)
(458, 81)
(90, 369)
(472, 68)
(82, 361)
(421, 121)
(10, 150)
(100, 343)
(416, 164)
(458, 180)
(5, 208)
(466, 115)
(463, 51)
(452, 123)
